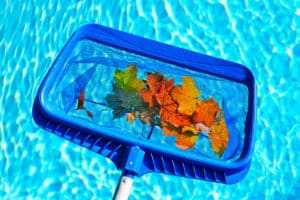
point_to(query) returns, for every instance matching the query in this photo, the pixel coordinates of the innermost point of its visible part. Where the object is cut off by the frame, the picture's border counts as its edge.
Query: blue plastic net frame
(152, 158)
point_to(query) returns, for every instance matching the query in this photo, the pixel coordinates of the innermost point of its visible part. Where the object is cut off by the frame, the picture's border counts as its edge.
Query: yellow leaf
(186, 96)
(168, 111)
(219, 137)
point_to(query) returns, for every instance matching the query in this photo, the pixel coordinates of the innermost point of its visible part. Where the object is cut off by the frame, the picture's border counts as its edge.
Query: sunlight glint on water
(263, 36)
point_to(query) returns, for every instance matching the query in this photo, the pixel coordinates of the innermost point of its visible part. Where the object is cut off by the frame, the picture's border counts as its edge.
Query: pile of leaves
(176, 109)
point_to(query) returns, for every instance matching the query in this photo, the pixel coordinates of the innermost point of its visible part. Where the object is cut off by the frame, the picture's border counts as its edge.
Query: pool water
(264, 36)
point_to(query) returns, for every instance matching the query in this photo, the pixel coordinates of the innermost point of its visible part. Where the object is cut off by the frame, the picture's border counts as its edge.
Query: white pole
(124, 188)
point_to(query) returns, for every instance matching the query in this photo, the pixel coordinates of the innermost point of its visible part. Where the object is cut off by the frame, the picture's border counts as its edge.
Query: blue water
(264, 36)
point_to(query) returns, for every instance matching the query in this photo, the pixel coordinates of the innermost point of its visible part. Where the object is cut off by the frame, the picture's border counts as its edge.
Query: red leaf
(80, 104)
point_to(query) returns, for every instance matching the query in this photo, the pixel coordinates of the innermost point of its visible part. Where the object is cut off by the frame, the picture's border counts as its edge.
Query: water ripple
(264, 36)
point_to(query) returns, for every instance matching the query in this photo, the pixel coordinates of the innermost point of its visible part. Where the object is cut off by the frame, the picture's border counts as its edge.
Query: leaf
(80, 104)
(168, 112)
(122, 102)
(206, 112)
(90, 114)
(114, 102)
(119, 112)
(174, 118)
(186, 140)
(129, 95)
(201, 127)
(190, 128)
(219, 137)
(219, 116)
(169, 129)
(154, 81)
(130, 117)
(145, 115)
(186, 96)
(163, 96)
(127, 80)
(148, 97)
(153, 84)
(186, 136)
(128, 100)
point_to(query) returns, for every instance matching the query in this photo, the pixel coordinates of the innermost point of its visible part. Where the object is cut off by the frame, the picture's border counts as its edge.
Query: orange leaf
(206, 112)
(173, 117)
(148, 97)
(169, 129)
(186, 140)
(186, 96)
(219, 137)
(163, 97)
(130, 117)
(168, 112)
(154, 83)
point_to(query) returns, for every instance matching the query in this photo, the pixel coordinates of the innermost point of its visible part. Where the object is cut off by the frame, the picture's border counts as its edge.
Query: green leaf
(129, 100)
(119, 112)
(127, 80)
(122, 102)
(114, 102)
